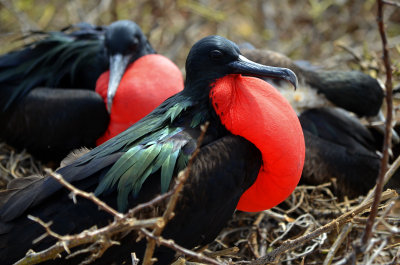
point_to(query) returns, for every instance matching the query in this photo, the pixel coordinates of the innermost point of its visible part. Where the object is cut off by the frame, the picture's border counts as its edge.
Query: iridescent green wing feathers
(150, 145)
(47, 61)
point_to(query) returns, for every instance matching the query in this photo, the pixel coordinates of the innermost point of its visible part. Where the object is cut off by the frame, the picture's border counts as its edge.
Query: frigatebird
(51, 122)
(250, 159)
(338, 146)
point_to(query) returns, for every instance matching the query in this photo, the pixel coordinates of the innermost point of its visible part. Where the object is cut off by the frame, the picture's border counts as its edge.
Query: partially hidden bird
(250, 159)
(339, 147)
(48, 99)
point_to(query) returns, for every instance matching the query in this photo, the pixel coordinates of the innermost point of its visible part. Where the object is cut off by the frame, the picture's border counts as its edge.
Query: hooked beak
(246, 67)
(118, 64)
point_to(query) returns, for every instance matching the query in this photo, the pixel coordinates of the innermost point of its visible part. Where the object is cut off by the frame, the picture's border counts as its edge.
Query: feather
(59, 54)
(167, 170)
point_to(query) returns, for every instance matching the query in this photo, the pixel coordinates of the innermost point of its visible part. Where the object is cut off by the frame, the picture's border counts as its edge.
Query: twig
(396, 257)
(85, 237)
(124, 224)
(171, 244)
(391, 3)
(377, 252)
(346, 217)
(168, 214)
(388, 129)
(223, 252)
(338, 242)
(86, 195)
(393, 168)
(135, 260)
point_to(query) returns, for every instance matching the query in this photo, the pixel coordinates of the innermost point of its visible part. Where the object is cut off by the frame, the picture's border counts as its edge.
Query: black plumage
(48, 121)
(139, 163)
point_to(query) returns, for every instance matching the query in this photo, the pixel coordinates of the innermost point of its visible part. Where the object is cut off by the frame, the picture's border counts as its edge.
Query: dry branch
(90, 196)
(338, 242)
(85, 237)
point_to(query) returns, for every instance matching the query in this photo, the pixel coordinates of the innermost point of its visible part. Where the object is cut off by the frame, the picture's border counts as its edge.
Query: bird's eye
(215, 54)
(134, 44)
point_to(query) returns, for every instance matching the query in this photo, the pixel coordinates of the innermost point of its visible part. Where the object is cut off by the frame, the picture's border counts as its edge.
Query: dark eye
(215, 54)
(134, 44)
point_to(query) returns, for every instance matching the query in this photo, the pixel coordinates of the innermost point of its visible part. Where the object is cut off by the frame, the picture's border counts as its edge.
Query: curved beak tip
(247, 67)
(292, 78)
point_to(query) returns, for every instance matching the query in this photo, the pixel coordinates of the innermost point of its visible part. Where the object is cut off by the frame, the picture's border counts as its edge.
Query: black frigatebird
(251, 159)
(338, 146)
(51, 122)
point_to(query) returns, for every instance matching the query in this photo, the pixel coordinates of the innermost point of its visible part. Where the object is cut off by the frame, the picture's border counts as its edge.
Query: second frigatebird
(48, 103)
(251, 159)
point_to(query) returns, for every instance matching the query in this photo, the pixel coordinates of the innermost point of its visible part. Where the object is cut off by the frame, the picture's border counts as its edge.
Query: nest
(14, 164)
(250, 237)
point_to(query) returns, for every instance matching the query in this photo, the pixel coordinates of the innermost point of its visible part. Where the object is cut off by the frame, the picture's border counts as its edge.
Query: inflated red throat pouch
(146, 83)
(255, 110)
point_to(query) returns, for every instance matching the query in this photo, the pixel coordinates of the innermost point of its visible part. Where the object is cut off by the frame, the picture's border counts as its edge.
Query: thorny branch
(86, 195)
(67, 242)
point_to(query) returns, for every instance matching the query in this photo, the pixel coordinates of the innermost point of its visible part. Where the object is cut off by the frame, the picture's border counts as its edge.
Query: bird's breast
(255, 110)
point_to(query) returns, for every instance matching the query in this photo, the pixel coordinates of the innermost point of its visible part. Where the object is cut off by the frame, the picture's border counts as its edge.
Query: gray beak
(246, 67)
(118, 64)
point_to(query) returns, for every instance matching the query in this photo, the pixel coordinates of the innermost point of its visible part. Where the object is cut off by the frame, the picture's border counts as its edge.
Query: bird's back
(58, 59)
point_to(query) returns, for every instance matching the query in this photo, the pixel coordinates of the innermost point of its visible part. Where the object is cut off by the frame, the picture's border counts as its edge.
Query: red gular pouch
(146, 83)
(253, 109)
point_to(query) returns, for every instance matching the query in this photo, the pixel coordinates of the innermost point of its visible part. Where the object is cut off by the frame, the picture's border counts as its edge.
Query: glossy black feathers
(59, 59)
(338, 147)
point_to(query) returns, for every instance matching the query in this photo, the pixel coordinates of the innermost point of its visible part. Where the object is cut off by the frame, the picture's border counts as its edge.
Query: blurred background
(339, 34)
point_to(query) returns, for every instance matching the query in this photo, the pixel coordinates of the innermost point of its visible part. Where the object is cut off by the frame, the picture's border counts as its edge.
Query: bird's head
(214, 57)
(253, 109)
(124, 43)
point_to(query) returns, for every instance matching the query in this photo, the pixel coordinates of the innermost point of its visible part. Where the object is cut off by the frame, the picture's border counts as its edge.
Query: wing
(337, 126)
(56, 120)
(59, 59)
(144, 147)
(338, 146)
(352, 90)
